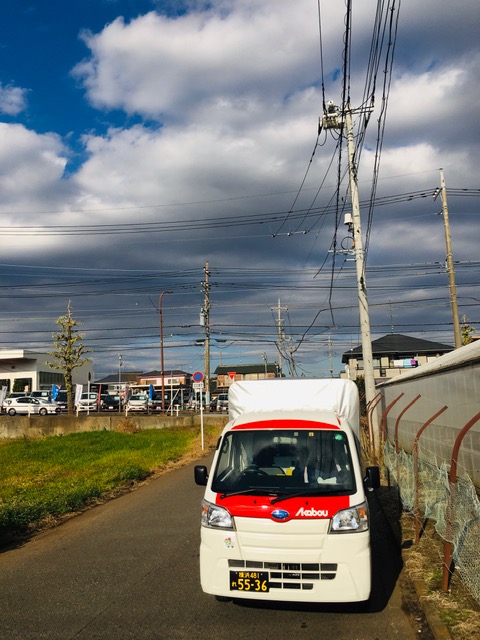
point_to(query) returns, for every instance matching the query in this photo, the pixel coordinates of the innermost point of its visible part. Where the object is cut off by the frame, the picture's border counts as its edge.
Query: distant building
(176, 385)
(116, 382)
(393, 355)
(28, 370)
(180, 382)
(227, 374)
(171, 378)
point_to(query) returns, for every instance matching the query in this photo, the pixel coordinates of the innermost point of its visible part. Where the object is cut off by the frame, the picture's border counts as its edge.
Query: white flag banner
(78, 393)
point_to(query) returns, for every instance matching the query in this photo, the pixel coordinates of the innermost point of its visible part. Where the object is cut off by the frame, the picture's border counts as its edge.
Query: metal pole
(160, 302)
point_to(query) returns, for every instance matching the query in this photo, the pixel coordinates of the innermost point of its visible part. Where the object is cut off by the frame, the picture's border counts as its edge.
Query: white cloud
(13, 100)
(169, 67)
(31, 165)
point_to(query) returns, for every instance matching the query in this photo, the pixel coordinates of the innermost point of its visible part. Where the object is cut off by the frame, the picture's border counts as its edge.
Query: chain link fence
(426, 491)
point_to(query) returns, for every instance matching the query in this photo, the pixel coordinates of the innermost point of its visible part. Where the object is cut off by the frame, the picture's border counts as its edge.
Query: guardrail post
(383, 428)
(397, 424)
(415, 468)
(448, 546)
(370, 409)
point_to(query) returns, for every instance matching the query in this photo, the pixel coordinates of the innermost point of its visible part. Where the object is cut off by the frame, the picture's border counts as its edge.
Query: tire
(42, 411)
(11, 412)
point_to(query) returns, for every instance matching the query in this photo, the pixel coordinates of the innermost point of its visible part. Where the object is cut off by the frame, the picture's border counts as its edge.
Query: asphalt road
(128, 569)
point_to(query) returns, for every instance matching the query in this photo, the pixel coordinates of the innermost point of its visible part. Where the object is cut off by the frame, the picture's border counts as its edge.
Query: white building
(27, 371)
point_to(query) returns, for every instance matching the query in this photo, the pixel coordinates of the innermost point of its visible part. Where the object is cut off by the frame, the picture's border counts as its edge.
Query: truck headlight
(216, 517)
(350, 520)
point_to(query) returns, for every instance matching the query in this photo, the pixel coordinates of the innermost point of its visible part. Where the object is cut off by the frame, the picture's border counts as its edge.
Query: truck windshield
(284, 462)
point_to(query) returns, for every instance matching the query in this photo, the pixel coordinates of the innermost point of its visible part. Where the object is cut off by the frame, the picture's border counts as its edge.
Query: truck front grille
(289, 575)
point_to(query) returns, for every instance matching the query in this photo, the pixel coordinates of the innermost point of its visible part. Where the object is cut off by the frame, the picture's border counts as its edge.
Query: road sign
(198, 386)
(197, 376)
(232, 374)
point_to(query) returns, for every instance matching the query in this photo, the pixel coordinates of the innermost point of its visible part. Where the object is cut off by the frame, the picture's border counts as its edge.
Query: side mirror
(372, 479)
(201, 475)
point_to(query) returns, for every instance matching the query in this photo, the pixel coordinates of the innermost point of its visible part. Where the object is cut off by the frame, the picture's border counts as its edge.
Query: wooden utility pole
(450, 268)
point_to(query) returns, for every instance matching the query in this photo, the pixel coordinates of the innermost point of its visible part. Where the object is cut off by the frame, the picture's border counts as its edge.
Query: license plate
(249, 581)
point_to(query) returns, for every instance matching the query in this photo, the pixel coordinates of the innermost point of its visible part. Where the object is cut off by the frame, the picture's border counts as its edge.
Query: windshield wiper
(307, 492)
(259, 491)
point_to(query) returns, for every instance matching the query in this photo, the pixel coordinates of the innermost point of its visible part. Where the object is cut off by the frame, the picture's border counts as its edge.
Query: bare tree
(69, 351)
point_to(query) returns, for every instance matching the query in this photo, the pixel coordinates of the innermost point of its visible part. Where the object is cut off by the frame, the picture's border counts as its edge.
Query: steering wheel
(278, 469)
(254, 470)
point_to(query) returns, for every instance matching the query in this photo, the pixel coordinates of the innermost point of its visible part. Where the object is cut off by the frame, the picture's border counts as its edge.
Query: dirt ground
(457, 609)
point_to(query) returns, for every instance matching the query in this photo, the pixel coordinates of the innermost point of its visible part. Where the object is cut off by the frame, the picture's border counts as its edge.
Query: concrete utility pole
(450, 268)
(330, 355)
(206, 319)
(279, 310)
(162, 363)
(361, 278)
(333, 119)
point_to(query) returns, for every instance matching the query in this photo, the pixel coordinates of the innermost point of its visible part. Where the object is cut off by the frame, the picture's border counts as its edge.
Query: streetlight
(160, 300)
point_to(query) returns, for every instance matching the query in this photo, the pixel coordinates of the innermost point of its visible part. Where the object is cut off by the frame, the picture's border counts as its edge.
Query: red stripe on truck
(304, 508)
(286, 424)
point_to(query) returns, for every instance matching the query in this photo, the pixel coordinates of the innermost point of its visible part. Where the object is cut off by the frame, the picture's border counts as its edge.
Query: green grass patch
(50, 477)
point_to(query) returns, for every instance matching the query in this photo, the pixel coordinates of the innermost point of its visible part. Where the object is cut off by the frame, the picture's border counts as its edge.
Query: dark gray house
(393, 354)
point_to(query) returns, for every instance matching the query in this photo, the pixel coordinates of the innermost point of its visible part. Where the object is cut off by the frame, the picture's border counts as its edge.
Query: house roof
(399, 345)
(125, 376)
(243, 369)
(167, 372)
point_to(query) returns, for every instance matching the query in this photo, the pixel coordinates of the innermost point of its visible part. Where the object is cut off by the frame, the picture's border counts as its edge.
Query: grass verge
(42, 480)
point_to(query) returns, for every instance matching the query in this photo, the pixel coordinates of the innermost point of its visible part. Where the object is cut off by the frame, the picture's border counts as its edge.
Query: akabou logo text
(311, 513)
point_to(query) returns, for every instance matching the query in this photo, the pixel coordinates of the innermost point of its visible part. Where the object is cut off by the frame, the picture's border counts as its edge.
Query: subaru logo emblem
(280, 514)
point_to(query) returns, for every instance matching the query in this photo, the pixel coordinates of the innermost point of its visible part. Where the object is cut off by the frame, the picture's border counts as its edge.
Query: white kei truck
(285, 515)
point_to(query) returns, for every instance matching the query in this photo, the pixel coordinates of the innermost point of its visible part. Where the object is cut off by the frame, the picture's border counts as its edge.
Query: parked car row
(22, 404)
(141, 402)
(19, 403)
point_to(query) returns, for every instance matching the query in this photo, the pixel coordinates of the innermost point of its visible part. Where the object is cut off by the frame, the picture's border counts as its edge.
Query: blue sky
(41, 44)
(141, 139)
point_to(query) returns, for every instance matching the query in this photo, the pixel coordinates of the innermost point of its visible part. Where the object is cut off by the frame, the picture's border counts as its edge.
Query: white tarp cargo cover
(299, 394)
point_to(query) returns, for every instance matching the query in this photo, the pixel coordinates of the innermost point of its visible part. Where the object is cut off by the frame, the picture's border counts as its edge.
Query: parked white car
(137, 402)
(26, 405)
(89, 402)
